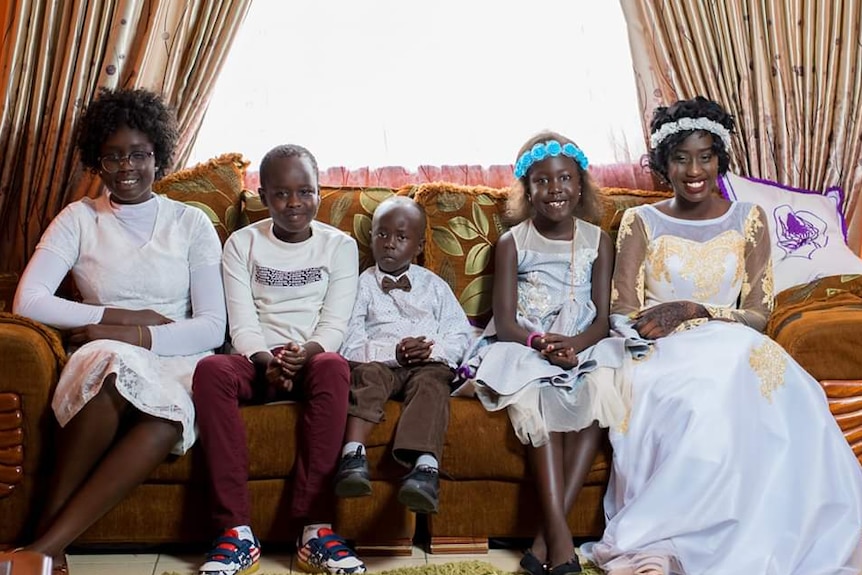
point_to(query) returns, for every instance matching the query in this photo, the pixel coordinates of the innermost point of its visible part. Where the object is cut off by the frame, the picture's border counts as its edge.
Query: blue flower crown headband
(548, 149)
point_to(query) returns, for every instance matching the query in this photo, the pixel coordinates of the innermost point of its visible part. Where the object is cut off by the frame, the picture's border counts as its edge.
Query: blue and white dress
(554, 295)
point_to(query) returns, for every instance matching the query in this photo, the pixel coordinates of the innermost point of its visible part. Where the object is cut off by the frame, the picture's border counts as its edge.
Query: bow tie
(388, 284)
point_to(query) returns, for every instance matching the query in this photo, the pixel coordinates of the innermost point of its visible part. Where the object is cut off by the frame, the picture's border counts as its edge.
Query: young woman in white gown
(149, 273)
(729, 461)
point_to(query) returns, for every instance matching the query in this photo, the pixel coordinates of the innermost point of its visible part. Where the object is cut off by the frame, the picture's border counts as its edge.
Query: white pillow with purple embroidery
(806, 228)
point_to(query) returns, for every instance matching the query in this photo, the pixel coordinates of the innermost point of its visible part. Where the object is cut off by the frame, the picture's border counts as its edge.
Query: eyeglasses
(113, 162)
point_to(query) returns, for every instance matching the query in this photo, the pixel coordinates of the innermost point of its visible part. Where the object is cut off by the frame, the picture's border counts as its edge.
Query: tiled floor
(271, 564)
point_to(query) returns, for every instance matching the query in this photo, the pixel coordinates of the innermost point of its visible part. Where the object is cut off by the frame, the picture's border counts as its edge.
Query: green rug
(454, 568)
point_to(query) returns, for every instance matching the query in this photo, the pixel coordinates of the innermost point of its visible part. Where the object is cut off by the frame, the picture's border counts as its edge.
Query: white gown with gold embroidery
(730, 461)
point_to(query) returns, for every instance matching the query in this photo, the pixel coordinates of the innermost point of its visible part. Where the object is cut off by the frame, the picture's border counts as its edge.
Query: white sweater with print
(279, 292)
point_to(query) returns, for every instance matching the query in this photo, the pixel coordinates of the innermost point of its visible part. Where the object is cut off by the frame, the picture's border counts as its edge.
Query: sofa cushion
(820, 326)
(347, 208)
(463, 224)
(214, 186)
(274, 459)
(481, 445)
(806, 229)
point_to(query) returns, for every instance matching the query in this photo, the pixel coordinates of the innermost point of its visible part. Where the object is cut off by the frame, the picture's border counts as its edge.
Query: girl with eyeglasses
(152, 304)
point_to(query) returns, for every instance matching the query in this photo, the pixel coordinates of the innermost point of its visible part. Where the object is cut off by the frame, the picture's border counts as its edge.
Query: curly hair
(137, 109)
(518, 208)
(286, 151)
(697, 107)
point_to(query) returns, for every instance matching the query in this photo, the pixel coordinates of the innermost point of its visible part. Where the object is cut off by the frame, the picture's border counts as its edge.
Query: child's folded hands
(559, 350)
(413, 350)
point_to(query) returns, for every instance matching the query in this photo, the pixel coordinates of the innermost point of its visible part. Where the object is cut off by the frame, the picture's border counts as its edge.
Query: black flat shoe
(531, 565)
(567, 568)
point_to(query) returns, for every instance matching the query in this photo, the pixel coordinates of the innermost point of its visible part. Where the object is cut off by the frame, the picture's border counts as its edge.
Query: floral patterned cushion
(463, 226)
(214, 186)
(347, 208)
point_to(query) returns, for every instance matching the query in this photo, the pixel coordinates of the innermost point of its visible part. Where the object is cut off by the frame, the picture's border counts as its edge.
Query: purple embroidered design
(800, 233)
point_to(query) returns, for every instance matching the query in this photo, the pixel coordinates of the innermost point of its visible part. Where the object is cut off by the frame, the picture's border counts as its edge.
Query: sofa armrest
(31, 358)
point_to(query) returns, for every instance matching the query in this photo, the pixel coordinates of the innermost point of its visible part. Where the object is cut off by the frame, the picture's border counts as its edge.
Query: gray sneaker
(420, 490)
(352, 478)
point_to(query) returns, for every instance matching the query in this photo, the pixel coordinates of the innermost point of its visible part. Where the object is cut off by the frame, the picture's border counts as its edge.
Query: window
(386, 82)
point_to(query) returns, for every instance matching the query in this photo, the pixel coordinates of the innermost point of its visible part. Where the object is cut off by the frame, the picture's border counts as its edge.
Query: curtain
(787, 69)
(54, 58)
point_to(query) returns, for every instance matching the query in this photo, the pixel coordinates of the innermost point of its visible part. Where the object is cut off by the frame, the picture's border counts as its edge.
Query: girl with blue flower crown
(543, 356)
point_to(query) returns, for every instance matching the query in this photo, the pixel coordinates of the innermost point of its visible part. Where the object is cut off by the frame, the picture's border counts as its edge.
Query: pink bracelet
(532, 336)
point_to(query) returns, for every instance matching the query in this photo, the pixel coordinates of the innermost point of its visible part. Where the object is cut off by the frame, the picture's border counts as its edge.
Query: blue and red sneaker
(327, 553)
(231, 555)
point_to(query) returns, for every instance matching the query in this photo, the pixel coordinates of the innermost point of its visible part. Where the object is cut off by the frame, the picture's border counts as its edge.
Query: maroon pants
(220, 384)
(425, 392)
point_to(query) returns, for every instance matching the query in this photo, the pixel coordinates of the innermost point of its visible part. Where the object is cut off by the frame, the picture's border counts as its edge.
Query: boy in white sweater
(290, 283)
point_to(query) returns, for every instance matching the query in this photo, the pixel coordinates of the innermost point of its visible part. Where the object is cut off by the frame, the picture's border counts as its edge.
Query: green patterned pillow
(214, 186)
(464, 223)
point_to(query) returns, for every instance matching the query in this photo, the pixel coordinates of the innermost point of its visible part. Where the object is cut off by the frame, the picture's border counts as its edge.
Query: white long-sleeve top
(380, 320)
(68, 245)
(279, 292)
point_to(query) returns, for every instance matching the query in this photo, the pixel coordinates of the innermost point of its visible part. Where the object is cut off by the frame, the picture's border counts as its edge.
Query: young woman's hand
(413, 350)
(118, 316)
(662, 319)
(558, 349)
(132, 334)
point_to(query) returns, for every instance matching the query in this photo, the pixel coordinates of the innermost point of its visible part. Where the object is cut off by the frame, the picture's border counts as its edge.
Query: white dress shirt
(381, 320)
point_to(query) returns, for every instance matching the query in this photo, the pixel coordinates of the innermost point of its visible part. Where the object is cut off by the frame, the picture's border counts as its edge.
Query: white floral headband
(690, 124)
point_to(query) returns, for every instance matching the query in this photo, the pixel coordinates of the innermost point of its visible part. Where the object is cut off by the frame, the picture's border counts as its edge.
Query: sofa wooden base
(845, 403)
(394, 548)
(11, 443)
(458, 545)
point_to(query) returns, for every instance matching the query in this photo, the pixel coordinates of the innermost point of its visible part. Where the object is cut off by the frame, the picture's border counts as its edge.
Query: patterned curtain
(788, 70)
(53, 59)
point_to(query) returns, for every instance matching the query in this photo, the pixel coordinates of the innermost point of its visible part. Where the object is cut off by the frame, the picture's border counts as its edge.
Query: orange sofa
(488, 492)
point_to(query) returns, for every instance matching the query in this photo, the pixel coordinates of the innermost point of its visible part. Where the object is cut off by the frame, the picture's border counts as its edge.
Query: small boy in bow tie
(406, 335)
